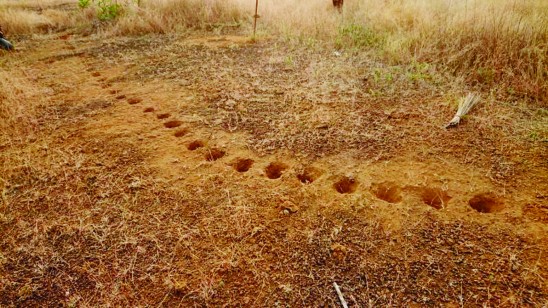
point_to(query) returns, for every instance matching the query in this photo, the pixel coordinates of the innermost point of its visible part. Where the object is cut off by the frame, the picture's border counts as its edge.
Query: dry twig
(339, 293)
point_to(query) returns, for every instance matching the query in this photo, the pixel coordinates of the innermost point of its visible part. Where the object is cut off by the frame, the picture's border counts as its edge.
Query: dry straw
(464, 106)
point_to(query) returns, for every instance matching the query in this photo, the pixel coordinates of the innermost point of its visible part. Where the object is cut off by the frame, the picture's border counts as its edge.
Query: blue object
(5, 44)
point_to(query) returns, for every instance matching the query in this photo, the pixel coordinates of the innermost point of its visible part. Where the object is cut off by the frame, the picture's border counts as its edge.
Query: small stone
(289, 206)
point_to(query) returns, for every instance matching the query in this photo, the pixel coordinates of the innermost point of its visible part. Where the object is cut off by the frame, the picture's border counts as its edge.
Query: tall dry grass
(40, 16)
(164, 16)
(484, 41)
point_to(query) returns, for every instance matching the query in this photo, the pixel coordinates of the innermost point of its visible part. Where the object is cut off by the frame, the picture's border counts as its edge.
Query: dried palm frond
(464, 106)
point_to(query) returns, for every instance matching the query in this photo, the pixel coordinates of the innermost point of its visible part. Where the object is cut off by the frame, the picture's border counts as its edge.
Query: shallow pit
(275, 170)
(486, 203)
(214, 154)
(305, 178)
(346, 185)
(308, 175)
(162, 116)
(243, 165)
(95, 74)
(194, 145)
(173, 124)
(434, 197)
(387, 191)
(134, 100)
(181, 132)
(120, 96)
(149, 109)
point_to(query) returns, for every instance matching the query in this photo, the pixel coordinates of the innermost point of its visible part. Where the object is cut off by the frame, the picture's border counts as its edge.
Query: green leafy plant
(355, 35)
(419, 71)
(108, 9)
(289, 61)
(84, 3)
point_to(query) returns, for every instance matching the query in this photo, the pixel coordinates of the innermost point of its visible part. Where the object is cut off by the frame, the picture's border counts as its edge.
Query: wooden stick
(256, 16)
(339, 293)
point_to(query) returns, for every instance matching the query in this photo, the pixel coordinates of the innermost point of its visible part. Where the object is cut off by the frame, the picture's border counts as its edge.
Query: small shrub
(108, 9)
(419, 71)
(83, 4)
(358, 36)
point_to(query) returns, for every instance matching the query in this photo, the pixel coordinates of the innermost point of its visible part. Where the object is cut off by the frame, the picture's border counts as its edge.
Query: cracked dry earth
(211, 171)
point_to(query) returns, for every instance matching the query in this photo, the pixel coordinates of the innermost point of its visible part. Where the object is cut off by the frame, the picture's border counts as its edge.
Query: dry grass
(34, 17)
(88, 228)
(17, 119)
(163, 16)
(484, 42)
(121, 238)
